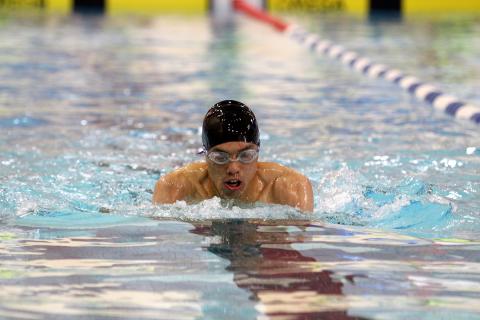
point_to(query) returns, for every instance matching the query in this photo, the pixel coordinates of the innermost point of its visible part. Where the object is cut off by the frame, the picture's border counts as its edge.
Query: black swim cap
(227, 121)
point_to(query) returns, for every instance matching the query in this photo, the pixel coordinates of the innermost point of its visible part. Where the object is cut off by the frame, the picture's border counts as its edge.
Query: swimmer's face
(232, 178)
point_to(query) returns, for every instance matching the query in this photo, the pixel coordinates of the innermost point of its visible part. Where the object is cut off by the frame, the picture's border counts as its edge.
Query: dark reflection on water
(138, 268)
(259, 266)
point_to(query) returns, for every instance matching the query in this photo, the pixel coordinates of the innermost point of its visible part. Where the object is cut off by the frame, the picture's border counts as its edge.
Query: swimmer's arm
(171, 188)
(295, 190)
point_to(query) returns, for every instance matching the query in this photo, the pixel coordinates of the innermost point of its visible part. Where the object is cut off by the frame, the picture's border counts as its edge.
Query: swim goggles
(245, 156)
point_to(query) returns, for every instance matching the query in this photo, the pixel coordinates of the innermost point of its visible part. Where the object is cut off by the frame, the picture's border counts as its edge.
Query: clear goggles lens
(246, 156)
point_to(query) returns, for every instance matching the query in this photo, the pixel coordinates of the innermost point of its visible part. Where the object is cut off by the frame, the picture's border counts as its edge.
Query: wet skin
(265, 182)
(231, 180)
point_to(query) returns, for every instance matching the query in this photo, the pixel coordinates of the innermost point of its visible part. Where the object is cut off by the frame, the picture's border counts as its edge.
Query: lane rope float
(423, 91)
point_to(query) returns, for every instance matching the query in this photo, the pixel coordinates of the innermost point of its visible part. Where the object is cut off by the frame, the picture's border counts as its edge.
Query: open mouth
(233, 184)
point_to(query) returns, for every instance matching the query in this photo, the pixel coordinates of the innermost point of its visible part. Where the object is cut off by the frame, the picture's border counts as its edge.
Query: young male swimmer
(231, 171)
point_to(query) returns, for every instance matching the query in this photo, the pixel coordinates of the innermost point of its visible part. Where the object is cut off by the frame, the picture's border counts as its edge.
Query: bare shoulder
(190, 172)
(270, 171)
(289, 186)
(194, 170)
(179, 184)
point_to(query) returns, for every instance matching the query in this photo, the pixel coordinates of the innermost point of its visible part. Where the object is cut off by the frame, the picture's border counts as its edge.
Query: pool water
(94, 109)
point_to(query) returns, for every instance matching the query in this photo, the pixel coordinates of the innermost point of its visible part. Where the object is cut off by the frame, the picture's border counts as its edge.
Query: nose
(233, 168)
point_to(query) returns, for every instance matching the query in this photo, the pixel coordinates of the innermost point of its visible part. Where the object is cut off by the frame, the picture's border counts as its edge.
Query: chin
(231, 195)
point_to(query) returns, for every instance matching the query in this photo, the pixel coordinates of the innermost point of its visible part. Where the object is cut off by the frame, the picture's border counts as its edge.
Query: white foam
(390, 208)
(470, 150)
(26, 206)
(337, 190)
(216, 208)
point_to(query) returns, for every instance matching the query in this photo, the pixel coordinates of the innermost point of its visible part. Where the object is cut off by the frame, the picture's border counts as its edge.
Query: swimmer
(231, 170)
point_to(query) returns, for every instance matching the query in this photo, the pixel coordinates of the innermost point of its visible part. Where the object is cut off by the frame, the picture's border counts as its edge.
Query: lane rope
(421, 90)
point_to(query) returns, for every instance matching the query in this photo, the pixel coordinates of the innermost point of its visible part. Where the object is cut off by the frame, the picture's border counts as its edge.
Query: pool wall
(356, 7)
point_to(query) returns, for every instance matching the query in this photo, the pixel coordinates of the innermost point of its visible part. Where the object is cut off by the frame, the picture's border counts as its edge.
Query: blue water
(94, 109)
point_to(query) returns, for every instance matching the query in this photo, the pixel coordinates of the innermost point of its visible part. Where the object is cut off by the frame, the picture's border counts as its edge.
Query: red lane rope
(258, 14)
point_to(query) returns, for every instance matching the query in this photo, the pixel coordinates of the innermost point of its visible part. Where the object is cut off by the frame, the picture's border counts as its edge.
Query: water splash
(342, 196)
(412, 206)
(217, 208)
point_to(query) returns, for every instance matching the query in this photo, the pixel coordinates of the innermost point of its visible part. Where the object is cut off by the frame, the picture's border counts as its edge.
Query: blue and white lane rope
(421, 90)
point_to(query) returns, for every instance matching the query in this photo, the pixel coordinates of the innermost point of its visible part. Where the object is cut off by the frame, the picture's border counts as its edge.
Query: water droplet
(470, 150)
